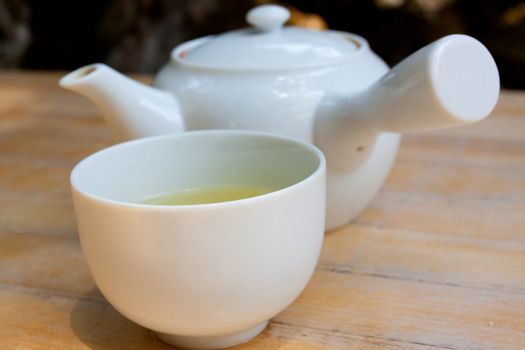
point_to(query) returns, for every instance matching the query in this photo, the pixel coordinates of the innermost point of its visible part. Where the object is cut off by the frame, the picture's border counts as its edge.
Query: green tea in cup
(206, 194)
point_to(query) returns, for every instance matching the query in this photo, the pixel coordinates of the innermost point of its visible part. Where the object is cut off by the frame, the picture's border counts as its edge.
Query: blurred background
(136, 36)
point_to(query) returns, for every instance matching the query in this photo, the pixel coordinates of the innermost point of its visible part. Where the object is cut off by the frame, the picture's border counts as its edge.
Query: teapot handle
(451, 82)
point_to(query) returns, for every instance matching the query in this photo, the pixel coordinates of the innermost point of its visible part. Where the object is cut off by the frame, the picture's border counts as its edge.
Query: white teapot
(326, 87)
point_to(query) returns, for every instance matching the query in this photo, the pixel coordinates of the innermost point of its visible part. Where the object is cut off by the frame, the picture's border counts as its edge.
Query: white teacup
(205, 275)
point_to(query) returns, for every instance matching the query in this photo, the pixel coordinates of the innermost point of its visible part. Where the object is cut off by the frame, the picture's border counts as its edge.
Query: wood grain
(437, 261)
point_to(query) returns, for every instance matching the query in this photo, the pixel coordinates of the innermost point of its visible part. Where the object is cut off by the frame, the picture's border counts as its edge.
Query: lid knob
(267, 18)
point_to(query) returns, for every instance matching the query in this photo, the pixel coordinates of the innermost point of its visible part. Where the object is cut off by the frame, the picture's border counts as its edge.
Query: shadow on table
(98, 325)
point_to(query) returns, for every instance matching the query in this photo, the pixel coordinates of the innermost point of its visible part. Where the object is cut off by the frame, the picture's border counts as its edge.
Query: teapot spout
(130, 108)
(451, 82)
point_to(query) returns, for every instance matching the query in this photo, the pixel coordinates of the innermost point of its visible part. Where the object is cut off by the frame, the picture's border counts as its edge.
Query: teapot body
(284, 101)
(275, 100)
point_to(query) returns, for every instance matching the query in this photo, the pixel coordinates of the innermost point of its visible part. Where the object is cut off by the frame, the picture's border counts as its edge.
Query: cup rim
(319, 171)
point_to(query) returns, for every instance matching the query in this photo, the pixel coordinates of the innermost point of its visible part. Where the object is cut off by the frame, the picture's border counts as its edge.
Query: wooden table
(437, 261)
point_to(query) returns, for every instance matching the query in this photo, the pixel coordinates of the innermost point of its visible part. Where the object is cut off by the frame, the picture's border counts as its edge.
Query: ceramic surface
(327, 87)
(210, 275)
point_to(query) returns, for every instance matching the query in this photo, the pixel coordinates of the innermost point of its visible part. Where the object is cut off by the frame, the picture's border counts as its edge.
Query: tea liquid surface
(206, 194)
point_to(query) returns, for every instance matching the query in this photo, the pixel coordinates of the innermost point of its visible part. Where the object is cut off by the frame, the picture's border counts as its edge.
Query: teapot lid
(269, 45)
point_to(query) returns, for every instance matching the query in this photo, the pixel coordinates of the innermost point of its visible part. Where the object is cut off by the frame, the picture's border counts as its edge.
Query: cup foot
(216, 342)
